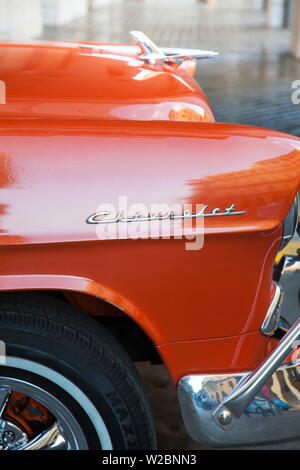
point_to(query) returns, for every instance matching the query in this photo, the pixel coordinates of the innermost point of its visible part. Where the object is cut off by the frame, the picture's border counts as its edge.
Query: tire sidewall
(75, 377)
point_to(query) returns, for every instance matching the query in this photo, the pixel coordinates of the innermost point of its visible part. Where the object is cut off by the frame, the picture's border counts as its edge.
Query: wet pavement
(250, 83)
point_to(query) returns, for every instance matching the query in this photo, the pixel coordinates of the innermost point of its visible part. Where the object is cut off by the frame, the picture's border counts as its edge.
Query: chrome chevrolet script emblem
(102, 217)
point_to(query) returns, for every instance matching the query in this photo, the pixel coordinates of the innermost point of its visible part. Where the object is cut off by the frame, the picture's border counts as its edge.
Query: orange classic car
(134, 227)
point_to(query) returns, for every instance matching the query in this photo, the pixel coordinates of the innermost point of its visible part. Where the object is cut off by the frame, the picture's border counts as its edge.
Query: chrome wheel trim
(70, 388)
(65, 434)
(12, 436)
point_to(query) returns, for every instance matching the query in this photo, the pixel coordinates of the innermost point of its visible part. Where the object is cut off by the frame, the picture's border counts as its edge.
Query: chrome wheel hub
(11, 437)
(29, 430)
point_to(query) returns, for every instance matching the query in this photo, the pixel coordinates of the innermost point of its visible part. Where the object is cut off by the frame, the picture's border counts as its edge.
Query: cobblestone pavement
(250, 83)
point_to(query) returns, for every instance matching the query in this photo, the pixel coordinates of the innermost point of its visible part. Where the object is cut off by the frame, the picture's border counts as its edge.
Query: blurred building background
(251, 82)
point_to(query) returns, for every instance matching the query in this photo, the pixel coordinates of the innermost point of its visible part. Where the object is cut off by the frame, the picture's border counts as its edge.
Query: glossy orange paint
(202, 308)
(216, 355)
(63, 80)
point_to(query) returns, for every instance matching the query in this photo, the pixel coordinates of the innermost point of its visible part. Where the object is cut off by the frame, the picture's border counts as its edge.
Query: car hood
(70, 80)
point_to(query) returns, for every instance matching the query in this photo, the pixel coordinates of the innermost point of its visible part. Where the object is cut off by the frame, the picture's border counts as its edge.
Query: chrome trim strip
(272, 317)
(272, 416)
(186, 214)
(240, 398)
(290, 284)
(291, 222)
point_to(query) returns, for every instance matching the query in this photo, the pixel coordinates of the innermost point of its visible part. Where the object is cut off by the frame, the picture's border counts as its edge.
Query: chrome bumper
(290, 284)
(272, 416)
(250, 408)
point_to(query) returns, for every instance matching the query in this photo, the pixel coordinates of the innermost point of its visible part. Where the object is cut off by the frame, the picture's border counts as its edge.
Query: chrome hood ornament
(146, 50)
(150, 52)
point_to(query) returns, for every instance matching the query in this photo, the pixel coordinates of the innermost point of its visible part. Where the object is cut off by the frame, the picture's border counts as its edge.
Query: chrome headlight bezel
(291, 221)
